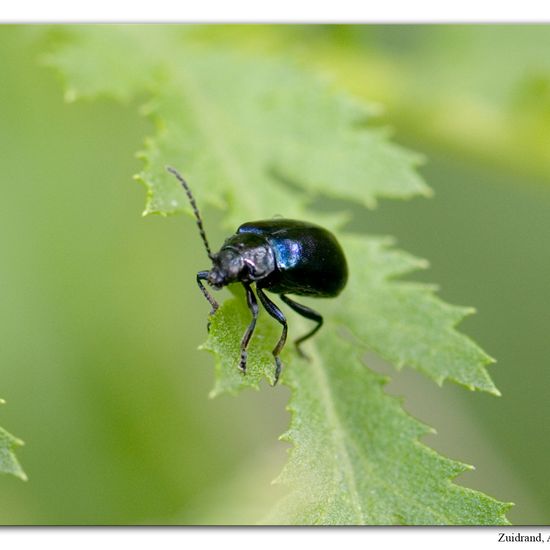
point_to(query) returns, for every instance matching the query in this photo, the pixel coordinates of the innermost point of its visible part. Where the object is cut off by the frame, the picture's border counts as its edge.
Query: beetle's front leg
(203, 276)
(253, 307)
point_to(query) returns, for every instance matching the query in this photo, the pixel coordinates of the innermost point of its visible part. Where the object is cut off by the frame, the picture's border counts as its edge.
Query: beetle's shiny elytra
(281, 256)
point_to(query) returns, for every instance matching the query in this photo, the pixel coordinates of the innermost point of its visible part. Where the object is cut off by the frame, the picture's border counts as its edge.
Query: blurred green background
(100, 316)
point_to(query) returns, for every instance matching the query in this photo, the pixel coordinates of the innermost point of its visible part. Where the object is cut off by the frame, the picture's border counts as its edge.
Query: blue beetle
(281, 256)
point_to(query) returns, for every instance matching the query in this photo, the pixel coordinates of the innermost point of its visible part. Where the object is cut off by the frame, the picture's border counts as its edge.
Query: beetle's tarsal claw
(242, 364)
(278, 367)
(209, 323)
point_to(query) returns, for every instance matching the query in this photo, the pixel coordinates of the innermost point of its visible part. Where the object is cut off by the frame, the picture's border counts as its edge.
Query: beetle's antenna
(194, 206)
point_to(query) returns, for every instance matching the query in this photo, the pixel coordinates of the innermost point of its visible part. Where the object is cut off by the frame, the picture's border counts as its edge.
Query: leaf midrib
(340, 435)
(206, 122)
(337, 431)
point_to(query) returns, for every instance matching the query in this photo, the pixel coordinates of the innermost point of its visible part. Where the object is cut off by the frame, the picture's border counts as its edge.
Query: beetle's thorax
(242, 258)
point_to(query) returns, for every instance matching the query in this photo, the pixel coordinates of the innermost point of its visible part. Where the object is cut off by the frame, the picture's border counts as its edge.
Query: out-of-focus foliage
(483, 90)
(236, 124)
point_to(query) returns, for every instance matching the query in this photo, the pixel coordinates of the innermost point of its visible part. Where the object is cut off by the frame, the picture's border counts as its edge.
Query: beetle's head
(227, 267)
(243, 258)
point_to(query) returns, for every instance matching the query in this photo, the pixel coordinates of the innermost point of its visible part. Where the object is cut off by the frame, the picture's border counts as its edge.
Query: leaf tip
(427, 192)
(421, 263)
(286, 437)
(370, 202)
(213, 393)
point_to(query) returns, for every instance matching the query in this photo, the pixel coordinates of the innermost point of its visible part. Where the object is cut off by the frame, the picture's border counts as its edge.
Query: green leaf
(356, 458)
(404, 322)
(226, 330)
(257, 136)
(8, 461)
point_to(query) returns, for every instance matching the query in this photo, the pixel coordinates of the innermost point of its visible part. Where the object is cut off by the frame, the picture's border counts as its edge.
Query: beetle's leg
(203, 276)
(277, 314)
(253, 307)
(308, 313)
